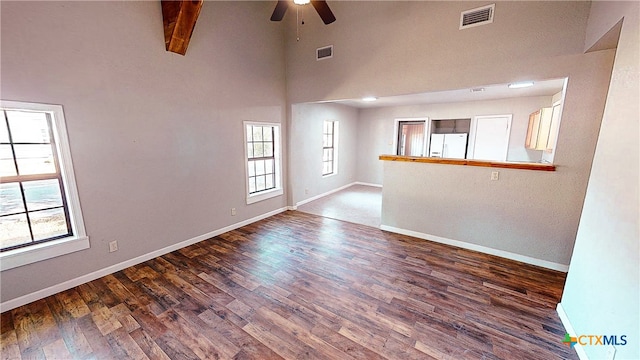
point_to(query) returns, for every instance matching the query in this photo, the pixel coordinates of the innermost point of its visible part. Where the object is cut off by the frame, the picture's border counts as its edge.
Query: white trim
(571, 331)
(47, 250)
(277, 151)
(480, 248)
(367, 184)
(40, 294)
(79, 240)
(323, 194)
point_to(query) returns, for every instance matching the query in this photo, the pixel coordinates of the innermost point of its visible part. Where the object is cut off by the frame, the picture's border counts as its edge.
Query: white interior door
(491, 137)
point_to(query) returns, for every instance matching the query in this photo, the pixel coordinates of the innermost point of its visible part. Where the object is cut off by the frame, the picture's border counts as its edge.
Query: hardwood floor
(299, 286)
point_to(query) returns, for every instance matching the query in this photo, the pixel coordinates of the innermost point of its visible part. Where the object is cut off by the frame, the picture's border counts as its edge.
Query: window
(39, 212)
(263, 161)
(329, 148)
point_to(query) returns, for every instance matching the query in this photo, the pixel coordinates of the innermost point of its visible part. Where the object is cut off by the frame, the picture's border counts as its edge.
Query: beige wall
(156, 138)
(602, 293)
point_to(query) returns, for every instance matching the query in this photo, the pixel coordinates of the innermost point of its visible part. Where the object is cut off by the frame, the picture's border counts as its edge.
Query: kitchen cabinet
(542, 129)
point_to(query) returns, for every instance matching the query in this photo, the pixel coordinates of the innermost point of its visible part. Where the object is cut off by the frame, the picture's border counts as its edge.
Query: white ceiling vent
(478, 16)
(324, 52)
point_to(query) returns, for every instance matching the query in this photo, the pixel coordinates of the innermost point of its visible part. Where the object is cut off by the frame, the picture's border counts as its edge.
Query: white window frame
(336, 142)
(79, 240)
(277, 152)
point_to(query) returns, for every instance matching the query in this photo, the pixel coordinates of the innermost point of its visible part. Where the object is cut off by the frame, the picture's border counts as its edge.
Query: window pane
(4, 133)
(260, 183)
(260, 167)
(268, 167)
(14, 230)
(28, 127)
(10, 199)
(48, 223)
(257, 150)
(257, 133)
(7, 165)
(249, 133)
(42, 194)
(251, 167)
(250, 150)
(252, 185)
(267, 134)
(35, 159)
(268, 149)
(269, 182)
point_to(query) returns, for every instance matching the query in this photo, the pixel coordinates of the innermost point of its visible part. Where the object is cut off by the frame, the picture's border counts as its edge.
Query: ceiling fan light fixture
(301, 2)
(520, 85)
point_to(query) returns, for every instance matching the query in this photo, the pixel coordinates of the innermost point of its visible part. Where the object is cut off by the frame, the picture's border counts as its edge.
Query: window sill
(264, 195)
(329, 175)
(493, 164)
(31, 254)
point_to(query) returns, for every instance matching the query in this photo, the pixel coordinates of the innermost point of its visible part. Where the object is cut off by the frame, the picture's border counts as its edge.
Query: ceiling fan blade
(323, 10)
(278, 12)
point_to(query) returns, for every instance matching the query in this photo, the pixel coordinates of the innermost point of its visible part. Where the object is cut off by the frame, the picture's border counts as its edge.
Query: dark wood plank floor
(299, 286)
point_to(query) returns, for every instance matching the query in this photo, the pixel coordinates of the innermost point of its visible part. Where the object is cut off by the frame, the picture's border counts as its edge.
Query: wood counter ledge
(493, 164)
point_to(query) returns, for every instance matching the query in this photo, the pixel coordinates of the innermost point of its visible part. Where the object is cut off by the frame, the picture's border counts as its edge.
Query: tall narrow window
(37, 191)
(263, 161)
(329, 145)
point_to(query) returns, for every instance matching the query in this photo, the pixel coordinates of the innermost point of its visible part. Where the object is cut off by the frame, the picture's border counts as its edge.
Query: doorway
(410, 139)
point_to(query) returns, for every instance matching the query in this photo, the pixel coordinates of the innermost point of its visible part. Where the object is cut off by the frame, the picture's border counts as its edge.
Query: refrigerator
(452, 146)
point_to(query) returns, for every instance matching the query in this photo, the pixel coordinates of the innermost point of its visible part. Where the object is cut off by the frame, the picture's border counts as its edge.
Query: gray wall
(529, 213)
(306, 149)
(376, 128)
(417, 47)
(156, 138)
(602, 293)
(402, 47)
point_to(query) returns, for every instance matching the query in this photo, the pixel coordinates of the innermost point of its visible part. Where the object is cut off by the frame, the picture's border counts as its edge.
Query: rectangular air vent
(478, 16)
(324, 52)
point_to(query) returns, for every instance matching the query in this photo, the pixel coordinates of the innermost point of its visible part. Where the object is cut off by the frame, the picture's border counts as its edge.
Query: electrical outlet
(495, 175)
(611, 352)
(306, 191)
(113, 246)
(233, 212)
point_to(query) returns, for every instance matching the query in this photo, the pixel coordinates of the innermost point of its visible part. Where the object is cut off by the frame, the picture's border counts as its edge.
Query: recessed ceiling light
(519, 85)
(481, 89)
(369, 98)
(301, 2)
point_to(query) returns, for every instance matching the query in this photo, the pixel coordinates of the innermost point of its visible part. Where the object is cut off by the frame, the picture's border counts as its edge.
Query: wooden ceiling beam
(179, 18)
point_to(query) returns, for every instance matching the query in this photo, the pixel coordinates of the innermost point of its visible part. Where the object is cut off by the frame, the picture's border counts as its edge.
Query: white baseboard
(571, 331)
(368, 184)
(323, 195)
(40, 294)
(295, 207)
(480, 248)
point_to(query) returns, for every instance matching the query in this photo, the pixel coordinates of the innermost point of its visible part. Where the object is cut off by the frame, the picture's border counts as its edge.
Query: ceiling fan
(320, 5)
